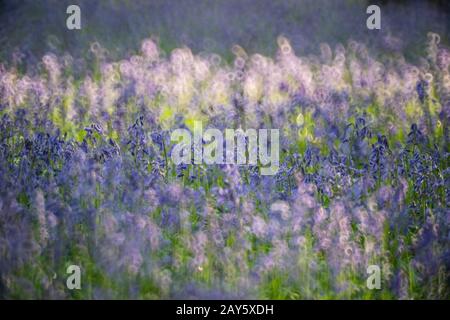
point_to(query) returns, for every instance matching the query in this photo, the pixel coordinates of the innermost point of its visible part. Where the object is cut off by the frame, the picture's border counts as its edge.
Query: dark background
(38, 26)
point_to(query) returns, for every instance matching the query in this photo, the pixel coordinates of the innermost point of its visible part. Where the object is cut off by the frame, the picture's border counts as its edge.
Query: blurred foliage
(38, 27)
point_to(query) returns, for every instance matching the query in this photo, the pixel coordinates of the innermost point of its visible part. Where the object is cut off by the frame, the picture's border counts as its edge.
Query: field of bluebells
(86, 175)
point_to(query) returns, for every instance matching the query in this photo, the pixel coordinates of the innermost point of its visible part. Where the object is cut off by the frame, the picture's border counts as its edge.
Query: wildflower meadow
(88, 177)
